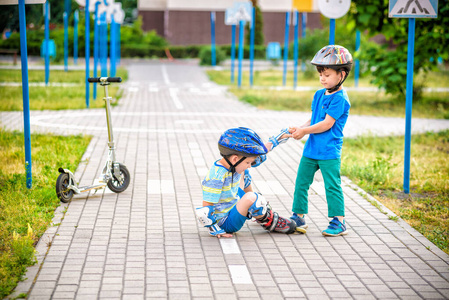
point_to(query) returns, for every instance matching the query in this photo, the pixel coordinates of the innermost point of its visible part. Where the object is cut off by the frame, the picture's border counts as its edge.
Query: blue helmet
(241, 141)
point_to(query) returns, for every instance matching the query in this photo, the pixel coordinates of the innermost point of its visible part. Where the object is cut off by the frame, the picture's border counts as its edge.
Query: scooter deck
(91, 187)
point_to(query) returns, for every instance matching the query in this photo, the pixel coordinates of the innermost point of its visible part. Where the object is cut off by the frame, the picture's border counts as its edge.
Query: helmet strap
(232, 167)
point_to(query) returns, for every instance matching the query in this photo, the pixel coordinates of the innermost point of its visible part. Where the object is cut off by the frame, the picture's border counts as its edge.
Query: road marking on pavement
(174, 96)
(240, 274)
(190, 122)
(270, 187)
(66, 123)
(156, 186)
(165, 75)
(229, 246)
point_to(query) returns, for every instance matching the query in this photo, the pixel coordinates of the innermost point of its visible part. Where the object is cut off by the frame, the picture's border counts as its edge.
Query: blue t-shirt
(327, 145)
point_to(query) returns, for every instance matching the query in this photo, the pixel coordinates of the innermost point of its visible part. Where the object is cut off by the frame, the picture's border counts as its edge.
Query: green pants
(330, 169)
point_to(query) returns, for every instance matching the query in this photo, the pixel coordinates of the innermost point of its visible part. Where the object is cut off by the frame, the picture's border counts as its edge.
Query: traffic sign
(413, 9)
(305, 5)
(240, 11)
(334, 9)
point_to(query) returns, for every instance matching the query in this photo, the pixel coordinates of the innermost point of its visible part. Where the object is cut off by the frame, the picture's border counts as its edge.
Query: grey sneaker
(301, 225)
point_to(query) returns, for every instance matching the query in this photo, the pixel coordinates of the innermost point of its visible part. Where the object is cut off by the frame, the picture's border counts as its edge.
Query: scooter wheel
(116, 185)
(64, 194)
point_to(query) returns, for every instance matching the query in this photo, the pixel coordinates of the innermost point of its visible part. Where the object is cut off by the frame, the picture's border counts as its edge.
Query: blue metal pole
(357, 63)
(251, 50)
(75, 38)
(232, 53)
(212, 34)
(104, 45)
(303, 35)
(47, 42)
(96, 46)
(87, 50)
(25, 92)
(118, 43)
(66, 41)
(241, 34)
(408, 103)
(332, 32)
(295, 50)
(112, 50)
(287, 17)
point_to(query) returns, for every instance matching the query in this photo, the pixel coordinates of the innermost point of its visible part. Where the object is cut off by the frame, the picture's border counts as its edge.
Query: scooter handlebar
(104, 79)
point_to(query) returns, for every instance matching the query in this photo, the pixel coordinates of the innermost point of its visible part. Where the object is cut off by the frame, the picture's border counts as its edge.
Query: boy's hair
(321, 69)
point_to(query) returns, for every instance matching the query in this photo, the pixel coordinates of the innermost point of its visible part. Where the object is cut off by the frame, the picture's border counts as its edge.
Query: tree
(258, 32)
(388, 62)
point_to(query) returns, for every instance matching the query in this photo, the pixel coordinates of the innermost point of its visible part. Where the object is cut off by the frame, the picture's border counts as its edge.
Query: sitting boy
(228, 200)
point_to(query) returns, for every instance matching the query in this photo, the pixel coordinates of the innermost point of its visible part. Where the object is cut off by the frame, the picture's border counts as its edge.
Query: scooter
(114, 175)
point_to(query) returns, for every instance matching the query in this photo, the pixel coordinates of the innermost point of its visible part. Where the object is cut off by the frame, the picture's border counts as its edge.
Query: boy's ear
(234, 158)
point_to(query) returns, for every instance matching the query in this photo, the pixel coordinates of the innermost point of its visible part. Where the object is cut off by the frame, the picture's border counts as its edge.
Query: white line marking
(276, 187)
(263, 187)
(156, 186)
(240, 274)
(165, 75)
(190, 122)
(196, 152)
(194, 145)
(270, 187)
(174, 96)
(202, 171)
(229, 246)
(199, 161)
(63, 121)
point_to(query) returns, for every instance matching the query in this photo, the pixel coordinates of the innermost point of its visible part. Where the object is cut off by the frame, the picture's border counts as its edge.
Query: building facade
(187, 22)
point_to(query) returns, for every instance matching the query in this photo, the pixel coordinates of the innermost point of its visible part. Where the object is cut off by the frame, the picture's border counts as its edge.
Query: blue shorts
(233, 221)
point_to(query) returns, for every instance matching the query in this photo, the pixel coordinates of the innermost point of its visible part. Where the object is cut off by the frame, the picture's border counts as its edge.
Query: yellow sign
(303, 5)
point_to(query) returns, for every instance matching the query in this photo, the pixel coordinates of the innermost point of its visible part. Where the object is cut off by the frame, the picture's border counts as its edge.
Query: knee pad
(259, 207)
(205, 216)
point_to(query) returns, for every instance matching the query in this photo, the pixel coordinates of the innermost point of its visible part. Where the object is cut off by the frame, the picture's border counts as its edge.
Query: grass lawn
(433, 105)
(53, 97)
(25, 214)
(377, 164)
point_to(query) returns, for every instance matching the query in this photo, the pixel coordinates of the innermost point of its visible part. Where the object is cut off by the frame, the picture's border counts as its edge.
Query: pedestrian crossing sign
(413, 9)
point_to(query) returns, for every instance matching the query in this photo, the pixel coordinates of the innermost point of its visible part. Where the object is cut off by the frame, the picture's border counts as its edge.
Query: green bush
(134, 41)
(259, 51)
(206, 56)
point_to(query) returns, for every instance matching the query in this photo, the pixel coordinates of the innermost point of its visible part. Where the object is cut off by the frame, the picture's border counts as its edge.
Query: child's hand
(298, 134)
(292, 129)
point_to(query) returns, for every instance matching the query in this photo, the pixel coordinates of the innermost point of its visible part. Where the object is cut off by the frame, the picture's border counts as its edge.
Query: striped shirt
(219, 190)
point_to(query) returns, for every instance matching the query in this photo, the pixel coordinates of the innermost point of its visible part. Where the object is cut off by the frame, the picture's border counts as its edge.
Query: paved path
(146, 242)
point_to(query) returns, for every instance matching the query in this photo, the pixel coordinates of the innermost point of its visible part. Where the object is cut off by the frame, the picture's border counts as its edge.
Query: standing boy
(330, 110)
